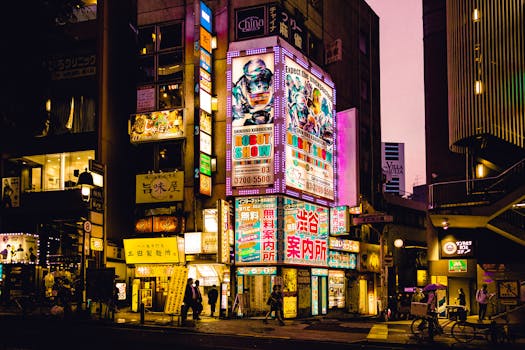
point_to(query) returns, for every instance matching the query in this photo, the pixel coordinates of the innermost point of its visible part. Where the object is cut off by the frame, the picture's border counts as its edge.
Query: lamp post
(85, 181)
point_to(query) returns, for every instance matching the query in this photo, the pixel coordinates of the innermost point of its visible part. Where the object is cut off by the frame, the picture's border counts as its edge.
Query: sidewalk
(339, 328)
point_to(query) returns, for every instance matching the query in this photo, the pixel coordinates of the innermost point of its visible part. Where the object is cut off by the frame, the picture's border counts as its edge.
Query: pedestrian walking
(188, 299)
(275, 301)
(482, 297)
(213, 295)
(197, 301)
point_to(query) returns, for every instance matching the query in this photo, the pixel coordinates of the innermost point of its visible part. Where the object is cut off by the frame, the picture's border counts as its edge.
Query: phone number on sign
(253, 180)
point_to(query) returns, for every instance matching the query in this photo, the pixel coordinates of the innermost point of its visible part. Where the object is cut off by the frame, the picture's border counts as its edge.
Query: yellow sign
(151, 250)
(176, 290)
(161, 187)
(97, 244)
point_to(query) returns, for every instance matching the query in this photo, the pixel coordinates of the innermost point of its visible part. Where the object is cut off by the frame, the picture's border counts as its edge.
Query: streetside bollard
(141, 313)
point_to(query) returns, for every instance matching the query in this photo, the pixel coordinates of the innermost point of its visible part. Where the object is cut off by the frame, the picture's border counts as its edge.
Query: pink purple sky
(402, 91)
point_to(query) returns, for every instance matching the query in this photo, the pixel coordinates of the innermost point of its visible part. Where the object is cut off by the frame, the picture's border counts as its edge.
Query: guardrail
(476, 192)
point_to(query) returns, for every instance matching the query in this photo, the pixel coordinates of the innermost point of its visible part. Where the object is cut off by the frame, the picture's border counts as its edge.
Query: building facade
(475, 209)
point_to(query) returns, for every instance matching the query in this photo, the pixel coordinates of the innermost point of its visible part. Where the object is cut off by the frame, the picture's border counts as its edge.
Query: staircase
(497, 203)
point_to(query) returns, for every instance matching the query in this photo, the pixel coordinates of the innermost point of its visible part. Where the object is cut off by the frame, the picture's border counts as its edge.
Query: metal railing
(476, 192)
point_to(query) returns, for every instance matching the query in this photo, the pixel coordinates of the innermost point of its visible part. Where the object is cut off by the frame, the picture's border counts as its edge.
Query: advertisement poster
(176, 288)
(18, 248)
(310, 132)
(10, 192)
(305, 233)
(160, 125)
(252, 120)
(161, 187)
(256, 230)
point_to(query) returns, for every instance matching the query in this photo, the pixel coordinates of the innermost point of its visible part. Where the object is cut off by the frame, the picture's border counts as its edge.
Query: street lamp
(85, 181)
(398, 243)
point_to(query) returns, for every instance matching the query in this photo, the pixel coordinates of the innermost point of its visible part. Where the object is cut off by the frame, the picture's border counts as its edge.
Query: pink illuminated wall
(347, 161)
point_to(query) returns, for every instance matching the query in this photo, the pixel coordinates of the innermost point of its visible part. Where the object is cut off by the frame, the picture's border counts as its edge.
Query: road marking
(378, 331)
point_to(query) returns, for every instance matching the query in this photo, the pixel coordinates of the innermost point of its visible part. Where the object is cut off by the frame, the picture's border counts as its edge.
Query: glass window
(170, 96)
(146, 40)
(363, 43)
(170, 156)
(50, 172)
(146, 70)
(170, 66)
(161, 65)
(170, 36)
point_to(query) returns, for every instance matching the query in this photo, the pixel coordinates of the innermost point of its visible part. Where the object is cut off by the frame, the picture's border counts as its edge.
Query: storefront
(342, 257)
(151, 262)
(369, 278)
(295, 256)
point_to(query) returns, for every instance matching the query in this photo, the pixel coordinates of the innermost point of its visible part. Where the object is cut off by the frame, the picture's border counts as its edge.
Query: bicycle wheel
(419, 327)
(463, 332)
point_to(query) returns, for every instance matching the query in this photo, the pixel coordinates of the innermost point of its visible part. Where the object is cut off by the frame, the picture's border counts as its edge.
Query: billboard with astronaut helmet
(252, 113)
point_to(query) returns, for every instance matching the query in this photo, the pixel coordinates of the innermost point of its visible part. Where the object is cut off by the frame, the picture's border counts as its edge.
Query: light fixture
(445, 224)
(213, 164)
(85, 181)
(214, 104)
(398, 243)
(213, 42)
(476, 15)
(478, 87)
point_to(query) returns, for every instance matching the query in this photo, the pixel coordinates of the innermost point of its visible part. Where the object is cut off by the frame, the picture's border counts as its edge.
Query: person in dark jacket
(213, 295)
(188, 299)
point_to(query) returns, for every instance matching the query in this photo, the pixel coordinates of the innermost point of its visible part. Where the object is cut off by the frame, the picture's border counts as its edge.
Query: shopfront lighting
(85, 181)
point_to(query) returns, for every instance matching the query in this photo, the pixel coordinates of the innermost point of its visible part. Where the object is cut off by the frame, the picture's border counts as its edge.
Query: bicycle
(428, 326)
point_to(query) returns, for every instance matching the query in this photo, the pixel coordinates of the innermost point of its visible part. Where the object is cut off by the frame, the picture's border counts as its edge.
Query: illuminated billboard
(280, 125)
(309, 132)
(159, 125)
(252, 111)
(18, 248)
(305, 233)
(256, 230)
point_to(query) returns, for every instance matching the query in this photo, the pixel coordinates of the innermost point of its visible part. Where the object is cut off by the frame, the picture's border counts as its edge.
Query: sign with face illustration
(309, 132)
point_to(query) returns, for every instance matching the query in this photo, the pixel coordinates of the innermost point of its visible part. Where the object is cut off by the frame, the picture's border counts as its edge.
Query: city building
(159, 102)
(475, 154)
(393, 157)
(63, 122)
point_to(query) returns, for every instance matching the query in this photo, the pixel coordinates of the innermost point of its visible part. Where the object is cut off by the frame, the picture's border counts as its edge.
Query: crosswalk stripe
(378, 331)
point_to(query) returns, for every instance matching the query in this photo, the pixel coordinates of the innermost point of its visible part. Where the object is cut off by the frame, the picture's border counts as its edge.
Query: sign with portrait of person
(10, 192)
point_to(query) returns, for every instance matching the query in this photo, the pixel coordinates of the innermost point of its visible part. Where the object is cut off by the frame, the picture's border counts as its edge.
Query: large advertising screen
(309, 132)
(252, 113)
(256, 230)
(305, 233)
